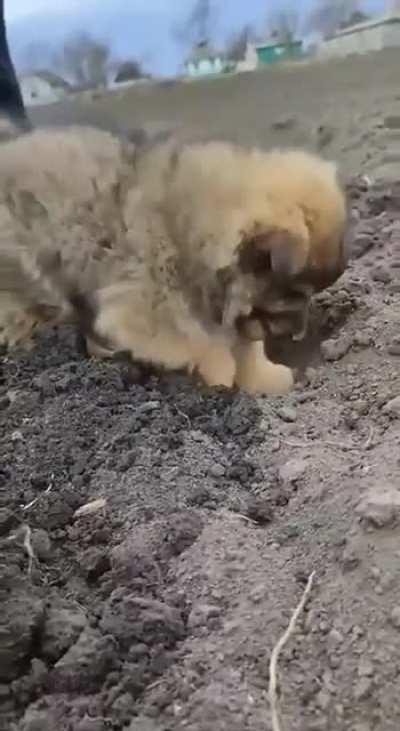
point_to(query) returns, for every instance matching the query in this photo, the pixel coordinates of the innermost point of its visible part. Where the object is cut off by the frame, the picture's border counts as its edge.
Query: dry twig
(27, 544)
(273, 664)
(36, 499)
(28, 548)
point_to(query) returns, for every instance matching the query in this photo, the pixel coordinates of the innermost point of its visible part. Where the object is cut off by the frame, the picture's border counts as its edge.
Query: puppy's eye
(254, 261)
(261, 263)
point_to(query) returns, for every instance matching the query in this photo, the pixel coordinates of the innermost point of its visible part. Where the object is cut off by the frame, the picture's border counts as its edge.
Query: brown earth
(158, 610)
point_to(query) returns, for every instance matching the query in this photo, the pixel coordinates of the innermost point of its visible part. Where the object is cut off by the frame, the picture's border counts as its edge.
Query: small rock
(36, 721)
(394, 346)
(318, 724)
(217, 470)
(390, 157)
(392, 407)
(365, 669)
(88, 723)
(143, 724)
(393, 229)
(325, 135)
(62, 627)
(4, 402)
(259, 593)
(362, 689)
(351, 558)
(259, 509)
(333, 350)
(148, 407)
(8, 520)
(363, 338)
(201, 614)
(288, 414)
(123, 705)
(45, 384)
(334, 661)
(292, 470)
(361, 407)
(335, 637)
(381, 274)
(395, 617)
(392, 121)
(311, 374)
(22, 610)
(380, 507)
(39, 670)
(85, 665)
(41, 544)
(89, 508)
(323, 699)
(360, 245)
(5, 692)
(284, 123)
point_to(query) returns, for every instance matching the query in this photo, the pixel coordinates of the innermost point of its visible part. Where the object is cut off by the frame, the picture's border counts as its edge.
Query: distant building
(250, 60)
(271, 53)
(373, 35)
(43, 87)
(392, 7)
(204, 61)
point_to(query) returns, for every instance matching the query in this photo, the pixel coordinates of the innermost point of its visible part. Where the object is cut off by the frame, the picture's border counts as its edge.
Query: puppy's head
(269, 227)
(297, 248)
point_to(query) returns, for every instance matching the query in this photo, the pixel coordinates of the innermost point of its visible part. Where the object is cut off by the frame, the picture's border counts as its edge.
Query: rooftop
(388, 19)
(203, 51)
(54, 80)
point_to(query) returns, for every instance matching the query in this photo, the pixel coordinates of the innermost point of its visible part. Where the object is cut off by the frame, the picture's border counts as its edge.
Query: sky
(134, 28)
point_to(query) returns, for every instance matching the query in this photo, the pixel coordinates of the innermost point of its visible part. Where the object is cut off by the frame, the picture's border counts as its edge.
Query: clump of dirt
(157, 606)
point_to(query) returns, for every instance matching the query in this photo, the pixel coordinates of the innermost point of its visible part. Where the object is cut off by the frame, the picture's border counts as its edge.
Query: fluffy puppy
(174, 246)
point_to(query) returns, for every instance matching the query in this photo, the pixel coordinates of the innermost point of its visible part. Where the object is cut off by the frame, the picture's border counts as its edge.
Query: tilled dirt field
(158, 609)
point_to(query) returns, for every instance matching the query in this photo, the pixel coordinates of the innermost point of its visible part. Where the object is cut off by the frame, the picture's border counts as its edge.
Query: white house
(42, 87)
(373, 35)
(204, 61)
(250, 60)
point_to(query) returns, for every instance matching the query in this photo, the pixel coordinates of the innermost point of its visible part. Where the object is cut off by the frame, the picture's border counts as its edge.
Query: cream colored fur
(152, 238)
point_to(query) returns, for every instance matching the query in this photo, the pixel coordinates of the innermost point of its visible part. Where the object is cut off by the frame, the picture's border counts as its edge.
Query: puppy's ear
(287, 252)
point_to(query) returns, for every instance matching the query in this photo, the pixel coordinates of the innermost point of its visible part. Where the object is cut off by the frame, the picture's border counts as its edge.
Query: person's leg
(11, 102)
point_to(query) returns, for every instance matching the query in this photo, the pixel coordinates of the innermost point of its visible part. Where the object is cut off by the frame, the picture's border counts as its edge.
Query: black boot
(11, 102)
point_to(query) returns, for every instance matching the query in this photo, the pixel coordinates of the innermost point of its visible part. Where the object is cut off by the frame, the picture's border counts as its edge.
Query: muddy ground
(158, 610)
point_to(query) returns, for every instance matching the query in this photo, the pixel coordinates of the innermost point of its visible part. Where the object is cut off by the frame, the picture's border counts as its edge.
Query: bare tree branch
(327, 16)
(86, 60)
(197, 26)
(237, 44)
(284, 24)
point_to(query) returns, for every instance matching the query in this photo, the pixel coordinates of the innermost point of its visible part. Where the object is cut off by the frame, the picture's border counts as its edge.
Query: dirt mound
(156, 608)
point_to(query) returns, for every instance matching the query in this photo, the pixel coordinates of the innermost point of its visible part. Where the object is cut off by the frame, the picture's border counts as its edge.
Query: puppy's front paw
(18, 331)
(217, 367)
(257, 375)
(274, 379)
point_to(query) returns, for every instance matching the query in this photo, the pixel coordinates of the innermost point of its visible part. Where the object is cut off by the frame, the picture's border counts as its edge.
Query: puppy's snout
(287, 315)
(294, 325)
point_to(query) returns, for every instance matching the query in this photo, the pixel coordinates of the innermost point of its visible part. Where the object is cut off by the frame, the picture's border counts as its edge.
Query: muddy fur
(172, 242)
